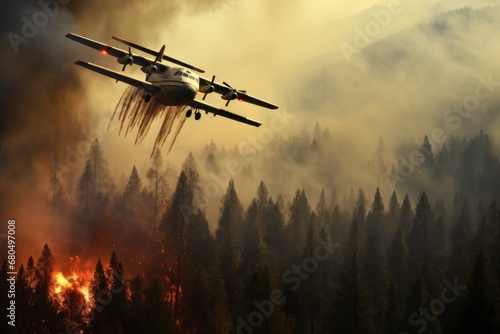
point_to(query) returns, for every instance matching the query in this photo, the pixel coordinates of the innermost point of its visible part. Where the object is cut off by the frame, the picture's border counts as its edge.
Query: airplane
(171, 86)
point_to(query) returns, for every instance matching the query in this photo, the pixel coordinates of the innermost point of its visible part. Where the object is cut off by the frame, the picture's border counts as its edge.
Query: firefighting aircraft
(171, 86)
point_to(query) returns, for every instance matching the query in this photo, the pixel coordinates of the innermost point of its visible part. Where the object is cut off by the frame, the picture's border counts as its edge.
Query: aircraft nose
(191, 92)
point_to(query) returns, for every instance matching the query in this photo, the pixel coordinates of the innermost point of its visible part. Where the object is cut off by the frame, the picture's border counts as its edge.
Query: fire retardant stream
(133, 112)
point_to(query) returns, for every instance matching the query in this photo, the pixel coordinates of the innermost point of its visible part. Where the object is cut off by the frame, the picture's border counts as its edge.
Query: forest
(361, 223)
(286, 264)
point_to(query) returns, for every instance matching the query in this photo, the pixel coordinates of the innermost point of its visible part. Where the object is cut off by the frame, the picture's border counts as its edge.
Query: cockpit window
(177, 73)
(185, 75)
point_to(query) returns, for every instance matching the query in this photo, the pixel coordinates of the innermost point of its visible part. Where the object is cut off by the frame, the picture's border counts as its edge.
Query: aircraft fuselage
(179, 86)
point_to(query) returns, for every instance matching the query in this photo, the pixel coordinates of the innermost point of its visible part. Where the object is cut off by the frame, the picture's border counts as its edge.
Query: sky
(291, 53)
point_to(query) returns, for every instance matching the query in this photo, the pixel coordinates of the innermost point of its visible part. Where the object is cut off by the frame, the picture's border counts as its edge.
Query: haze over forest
(385, 146)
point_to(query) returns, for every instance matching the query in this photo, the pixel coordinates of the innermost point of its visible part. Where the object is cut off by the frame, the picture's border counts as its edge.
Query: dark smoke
(40, 98)
(44, 102)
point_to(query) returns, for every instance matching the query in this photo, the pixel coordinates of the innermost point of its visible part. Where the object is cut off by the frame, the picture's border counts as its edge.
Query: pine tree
(115, 277)
(253, 251)
(44, 306)
(229, 230)
(100, 297)
(84, 191)
(200, 245)
(407, 216)
(440, 209)
(273, 231)
(56, 188)
(73, 308)
(327, 287)
(394, 309)
(375, 220)
(193, 178)
(398, 260)
(379, 164)
(300, 212)
(211, 163)
(311, 289)
(258, 288)
(356, 241)
(438, 263)
(481, 312)
(133, 189)
(262, 199)
(322, 209)
(339, 224)
(198, 296)
(44, 268)
(355, 311)
(23, 307)
(95, 183)
(135, 313)
(377, 274)
(421, 232)
(428, 159)
(159, 318)
(488, 229)
(393, 215)
(463, 238)
(228, 247)
(359, 213)
(414, 321)
(157, 185)
(173, 227)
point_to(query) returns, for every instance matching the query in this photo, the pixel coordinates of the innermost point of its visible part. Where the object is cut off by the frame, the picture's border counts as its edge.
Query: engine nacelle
(231, 95)
(150, 69)
(127, 59)
(207, 89)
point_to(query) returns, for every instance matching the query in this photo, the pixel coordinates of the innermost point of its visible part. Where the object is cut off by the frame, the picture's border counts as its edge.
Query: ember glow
(79, 278)
(72, 281)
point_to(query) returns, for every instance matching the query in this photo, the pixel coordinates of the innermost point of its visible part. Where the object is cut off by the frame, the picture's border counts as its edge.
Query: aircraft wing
(110, 50)
(118, 76)
(156, 53)
(253, 100)
(223, 89)
(224, 113)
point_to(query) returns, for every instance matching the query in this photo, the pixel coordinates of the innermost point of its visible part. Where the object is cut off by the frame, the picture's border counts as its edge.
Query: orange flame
(61, 283)
(72, 281)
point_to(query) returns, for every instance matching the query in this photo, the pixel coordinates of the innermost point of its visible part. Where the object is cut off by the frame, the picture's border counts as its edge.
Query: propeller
(157, 59)
(127, 63)
(234, 91)
(211, 84)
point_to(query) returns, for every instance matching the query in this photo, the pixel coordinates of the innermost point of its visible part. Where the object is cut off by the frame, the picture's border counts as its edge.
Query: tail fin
(159, 57)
